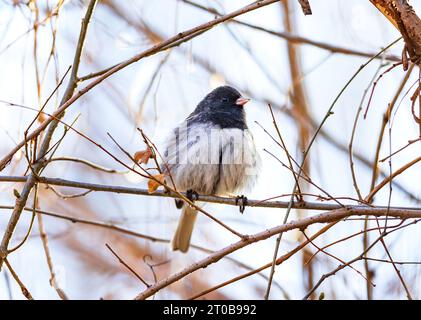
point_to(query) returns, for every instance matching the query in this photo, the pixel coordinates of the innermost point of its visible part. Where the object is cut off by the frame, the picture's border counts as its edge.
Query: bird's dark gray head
(223, 107)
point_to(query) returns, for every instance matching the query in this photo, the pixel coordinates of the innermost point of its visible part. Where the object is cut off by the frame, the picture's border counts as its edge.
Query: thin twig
(359, 257)
(127, 266)
(88, 163)
(45, 245)
(113, 227)
(302, 224)
(24, 290)
(280, 260)
(164, 45)
(297, 39)
(328, 114)
(21, 201)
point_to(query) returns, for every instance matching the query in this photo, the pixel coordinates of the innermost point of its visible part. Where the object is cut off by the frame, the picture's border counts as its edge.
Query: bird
(212, 152)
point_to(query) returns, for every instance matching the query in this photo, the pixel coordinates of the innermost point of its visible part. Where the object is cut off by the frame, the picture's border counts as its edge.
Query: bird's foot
(241, 202)
(192, 195)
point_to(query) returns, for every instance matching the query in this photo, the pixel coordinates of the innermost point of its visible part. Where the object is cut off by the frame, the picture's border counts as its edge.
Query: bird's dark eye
(224, 99)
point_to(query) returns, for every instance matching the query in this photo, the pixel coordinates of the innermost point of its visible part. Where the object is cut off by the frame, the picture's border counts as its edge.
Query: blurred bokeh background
(299, 79)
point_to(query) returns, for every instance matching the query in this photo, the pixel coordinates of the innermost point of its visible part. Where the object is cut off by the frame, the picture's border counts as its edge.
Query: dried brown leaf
(153, 185)
(143, 156)
(41, 117)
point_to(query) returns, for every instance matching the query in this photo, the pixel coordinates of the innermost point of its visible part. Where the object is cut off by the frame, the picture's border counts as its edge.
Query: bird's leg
(241, 201)
(192, 195)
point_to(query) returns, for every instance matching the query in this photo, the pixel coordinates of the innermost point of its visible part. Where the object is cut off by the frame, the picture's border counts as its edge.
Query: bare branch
(305, 5)
(39, 165)
(202, 198)
(302, 224)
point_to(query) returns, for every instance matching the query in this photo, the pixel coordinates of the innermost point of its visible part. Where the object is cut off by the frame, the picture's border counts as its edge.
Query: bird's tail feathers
(182, 236)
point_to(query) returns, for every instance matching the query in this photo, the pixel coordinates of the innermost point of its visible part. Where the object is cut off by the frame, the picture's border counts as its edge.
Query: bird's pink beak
(241, 101)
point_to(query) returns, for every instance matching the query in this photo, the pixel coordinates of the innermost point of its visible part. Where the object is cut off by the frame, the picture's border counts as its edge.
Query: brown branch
(396, 262)
(305, 6)
(87, 163)
(404, 18)
(122, 230)
(297, 39)
(358, 258)
(307, 150)
(375, 168)
(300, 111)
(202, 198)
(46, 247)
(280, 260)
(342, 147)
(390, 178)
(127, 266)
(53, 123)
(155, 36)
(164, 45)
(24, 290)
(302, 224)
(69, 99)
(386, 117)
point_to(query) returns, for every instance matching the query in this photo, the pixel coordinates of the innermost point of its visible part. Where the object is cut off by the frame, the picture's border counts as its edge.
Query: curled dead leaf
(143, 156)
(154, 185)
(42, 117)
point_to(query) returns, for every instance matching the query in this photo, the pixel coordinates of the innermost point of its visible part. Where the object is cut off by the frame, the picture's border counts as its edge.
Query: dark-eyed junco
(212, 153)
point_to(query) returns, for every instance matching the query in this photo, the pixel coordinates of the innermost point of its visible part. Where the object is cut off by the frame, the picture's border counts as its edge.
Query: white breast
(240, 161)
(211, 161)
